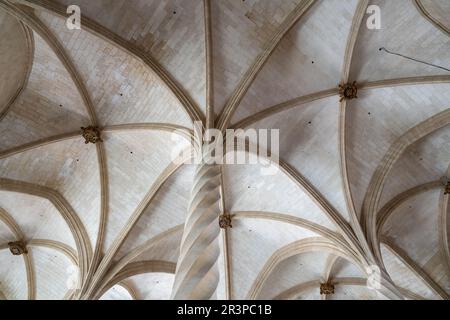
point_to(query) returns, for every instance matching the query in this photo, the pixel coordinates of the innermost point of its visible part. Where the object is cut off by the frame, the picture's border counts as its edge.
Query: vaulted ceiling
(361, 173)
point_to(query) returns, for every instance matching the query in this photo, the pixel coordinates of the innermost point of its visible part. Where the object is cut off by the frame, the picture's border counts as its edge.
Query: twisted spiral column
(197, 273)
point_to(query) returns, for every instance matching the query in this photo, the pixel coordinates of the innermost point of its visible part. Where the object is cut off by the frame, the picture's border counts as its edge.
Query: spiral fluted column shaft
(197, 274)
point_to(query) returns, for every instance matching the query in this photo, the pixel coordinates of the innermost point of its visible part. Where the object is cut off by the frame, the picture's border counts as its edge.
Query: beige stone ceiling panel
(167, 210)
(378, 118)
(403, 276)
(52, 273)
(247, 189)
(309, 294)
(309, 142)
(135, 160)
(414, 226)
(404, 30)
(5, 233)
(438, 271)
(13, 277)
(50, 105)
(117, 293)
(240, 31)
(36, 217)
(63, 166)
(295, 270)
(247, 260)
(15, 59)
(308, 60)
(152, 286)
(164, 249)
(353, 292)
(122, 89)
(342, 268)
(423, 162)
(171, 31)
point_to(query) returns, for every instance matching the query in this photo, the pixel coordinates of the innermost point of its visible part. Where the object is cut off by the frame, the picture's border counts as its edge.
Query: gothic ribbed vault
(358, 181)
